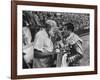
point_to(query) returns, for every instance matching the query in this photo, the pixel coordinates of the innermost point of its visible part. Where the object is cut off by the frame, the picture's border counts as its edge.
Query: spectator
(27, 51)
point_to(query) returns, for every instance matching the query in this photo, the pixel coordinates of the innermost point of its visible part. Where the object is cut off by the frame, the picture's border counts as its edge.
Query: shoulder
(26, 30)
(41, 34)
(74, 38)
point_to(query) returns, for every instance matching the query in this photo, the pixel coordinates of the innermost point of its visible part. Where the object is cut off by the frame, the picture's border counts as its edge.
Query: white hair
(52, 23)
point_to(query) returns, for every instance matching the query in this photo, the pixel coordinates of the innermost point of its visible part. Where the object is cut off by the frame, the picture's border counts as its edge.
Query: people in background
(27, 51)
(26, 35)
(43, 45)
(73, 47)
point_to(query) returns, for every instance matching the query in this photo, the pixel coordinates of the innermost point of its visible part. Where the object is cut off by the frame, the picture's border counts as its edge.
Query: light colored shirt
(27, 37)
(75, 39)
(42, 41)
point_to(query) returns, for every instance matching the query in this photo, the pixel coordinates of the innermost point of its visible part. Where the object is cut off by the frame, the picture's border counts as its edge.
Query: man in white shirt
(43, 46)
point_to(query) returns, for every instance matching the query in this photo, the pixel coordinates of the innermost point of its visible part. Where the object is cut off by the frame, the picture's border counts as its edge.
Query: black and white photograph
(50, 40)
(55, 39)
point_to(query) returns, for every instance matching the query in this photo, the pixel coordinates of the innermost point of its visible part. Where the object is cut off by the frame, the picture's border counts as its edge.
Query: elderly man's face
(51, 27)
(52, 31)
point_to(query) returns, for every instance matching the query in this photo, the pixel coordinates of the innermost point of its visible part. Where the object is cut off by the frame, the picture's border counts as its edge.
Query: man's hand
(56, 51)
(71, 59)
(47, 52)
(75, 58)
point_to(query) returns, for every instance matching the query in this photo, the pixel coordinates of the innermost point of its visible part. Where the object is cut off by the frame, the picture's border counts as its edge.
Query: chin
(52, 35)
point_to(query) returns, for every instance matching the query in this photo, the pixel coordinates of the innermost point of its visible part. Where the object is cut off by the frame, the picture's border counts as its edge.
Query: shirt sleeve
(78, 47)
(43, 42)
(48, 45)
(38, 42)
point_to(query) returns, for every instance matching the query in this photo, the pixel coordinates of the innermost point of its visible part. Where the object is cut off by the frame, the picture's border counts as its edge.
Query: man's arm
(78, 51)
(40, 54)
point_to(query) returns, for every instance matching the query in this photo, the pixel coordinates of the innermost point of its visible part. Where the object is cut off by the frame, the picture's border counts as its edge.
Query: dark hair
(69, 26)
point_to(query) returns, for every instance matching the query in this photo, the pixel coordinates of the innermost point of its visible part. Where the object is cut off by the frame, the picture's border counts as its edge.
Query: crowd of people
(52, 41)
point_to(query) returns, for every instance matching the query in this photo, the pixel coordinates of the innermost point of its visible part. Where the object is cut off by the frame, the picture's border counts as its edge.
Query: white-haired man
(43, 46)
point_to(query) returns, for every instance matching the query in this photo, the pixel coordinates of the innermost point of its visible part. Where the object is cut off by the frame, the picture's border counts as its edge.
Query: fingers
(71, 59)
(57, 50)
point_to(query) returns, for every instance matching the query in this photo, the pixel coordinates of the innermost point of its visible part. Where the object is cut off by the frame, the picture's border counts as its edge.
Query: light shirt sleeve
(79, 47)
(38, 42)
(43, 42)
(48, 45)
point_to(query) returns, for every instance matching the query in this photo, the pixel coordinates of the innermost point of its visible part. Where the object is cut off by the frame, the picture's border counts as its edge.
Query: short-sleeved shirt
(42, 40)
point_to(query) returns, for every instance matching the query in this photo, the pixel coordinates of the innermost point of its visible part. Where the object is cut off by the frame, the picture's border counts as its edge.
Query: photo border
(14, 38)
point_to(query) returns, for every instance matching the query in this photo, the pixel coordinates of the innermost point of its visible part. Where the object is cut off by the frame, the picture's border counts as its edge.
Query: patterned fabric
(74, 51)
(72, 39)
